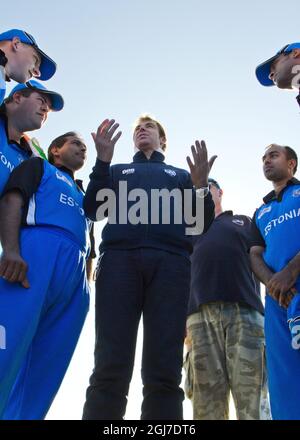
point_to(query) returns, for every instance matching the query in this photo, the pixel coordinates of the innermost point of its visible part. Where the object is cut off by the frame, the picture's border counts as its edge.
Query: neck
(14, 133)
(218, 210)
(147, 152)
(59, 164)
(280, 184)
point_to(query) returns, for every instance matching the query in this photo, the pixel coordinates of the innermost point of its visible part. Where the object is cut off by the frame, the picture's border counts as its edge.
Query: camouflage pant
(227, 354)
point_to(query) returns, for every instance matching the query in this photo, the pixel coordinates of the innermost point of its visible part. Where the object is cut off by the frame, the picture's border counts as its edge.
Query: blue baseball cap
(57, 101)
(263, 70)
(48, 66)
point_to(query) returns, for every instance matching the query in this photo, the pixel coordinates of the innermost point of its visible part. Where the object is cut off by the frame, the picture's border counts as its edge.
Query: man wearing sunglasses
(21, 59)
(282, 69)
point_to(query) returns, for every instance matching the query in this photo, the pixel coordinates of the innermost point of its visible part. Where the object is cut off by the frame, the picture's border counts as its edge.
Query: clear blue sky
(191, 64)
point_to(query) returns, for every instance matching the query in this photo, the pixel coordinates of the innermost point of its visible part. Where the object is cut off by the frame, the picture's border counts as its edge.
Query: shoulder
(179, 171)
(244, 219)
(262, 210)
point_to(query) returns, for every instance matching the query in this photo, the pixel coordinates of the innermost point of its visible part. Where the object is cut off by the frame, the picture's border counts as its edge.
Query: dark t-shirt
(221, 266)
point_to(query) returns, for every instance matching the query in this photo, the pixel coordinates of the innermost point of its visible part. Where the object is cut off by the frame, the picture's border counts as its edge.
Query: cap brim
(263, 71)
(47, 67)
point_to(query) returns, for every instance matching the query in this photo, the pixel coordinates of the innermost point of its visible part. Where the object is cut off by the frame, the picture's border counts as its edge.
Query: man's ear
(15, 43)
(296, 53)
(292, 164)
(162, 141)
(17, 97)
(55, 151)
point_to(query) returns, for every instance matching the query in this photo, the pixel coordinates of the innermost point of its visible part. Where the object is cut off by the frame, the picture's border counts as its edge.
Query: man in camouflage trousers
(225, 323)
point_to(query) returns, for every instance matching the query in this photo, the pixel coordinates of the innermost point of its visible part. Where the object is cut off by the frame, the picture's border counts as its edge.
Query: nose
(45, 107)
(266, 160)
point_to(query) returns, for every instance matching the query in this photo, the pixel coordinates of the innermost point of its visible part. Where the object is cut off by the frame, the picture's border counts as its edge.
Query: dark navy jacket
(146, 175)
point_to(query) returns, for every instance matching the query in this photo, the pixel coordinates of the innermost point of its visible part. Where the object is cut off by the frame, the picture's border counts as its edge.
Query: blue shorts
(283, 361)
(40, 325)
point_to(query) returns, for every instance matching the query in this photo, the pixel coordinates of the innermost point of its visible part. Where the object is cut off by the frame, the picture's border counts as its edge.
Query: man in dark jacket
(144, 268)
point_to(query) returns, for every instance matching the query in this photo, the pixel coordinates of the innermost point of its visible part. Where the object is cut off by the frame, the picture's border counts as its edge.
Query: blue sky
(191, 64)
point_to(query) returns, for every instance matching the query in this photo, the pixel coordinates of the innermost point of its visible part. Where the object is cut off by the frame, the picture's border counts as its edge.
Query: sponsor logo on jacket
(170, 172)
(128, 171)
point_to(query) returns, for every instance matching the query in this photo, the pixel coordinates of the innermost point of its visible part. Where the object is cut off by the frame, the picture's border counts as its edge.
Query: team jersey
(52, 198)
(277, 227)
(11, 153)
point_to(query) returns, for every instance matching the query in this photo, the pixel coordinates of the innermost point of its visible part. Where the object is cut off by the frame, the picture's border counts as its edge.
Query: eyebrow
(269, 153)
(79, 142)
(46, 100)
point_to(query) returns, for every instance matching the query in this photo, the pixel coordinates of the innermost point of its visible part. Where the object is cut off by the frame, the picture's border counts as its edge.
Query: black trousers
(130, 283)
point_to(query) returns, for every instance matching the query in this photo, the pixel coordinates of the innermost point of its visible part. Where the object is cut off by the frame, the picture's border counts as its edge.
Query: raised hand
(104, 140)
(201, 167)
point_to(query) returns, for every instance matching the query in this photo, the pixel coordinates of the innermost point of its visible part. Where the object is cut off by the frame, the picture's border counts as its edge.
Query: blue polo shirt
(276, 227)
(11, 153)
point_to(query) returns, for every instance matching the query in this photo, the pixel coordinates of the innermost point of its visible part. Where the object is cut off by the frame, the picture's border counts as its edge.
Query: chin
(20, 78)
(38, 125)
(269, 176)
(284, 85)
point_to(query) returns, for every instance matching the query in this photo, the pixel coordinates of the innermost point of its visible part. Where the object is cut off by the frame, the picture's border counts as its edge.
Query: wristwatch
(202, 192)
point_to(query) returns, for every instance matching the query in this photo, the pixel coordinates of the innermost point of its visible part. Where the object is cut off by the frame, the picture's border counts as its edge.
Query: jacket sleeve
(100, 179)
